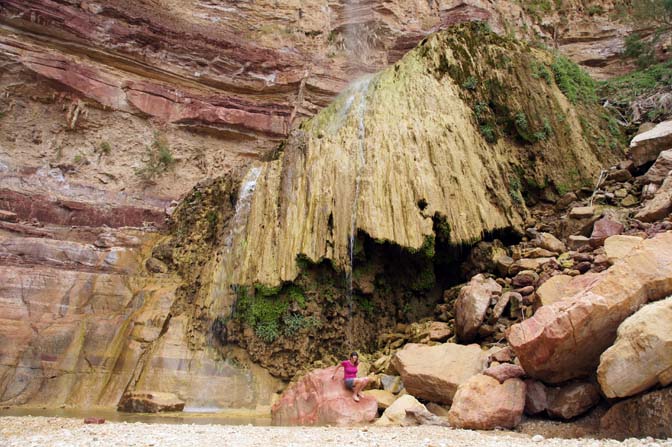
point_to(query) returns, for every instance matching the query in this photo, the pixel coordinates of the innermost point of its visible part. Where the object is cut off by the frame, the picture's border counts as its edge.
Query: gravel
(30, 431)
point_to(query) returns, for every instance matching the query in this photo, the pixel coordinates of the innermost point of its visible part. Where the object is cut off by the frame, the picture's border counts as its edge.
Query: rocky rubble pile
(558, 322)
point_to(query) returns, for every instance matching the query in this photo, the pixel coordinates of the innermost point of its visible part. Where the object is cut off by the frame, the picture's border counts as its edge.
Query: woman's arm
(333, 376)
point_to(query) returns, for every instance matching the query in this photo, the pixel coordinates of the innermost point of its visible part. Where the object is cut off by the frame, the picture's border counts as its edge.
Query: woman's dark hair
(354, 354)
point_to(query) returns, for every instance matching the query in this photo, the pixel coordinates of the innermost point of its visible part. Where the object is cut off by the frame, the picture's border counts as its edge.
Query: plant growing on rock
(158, 159)
(573, 81)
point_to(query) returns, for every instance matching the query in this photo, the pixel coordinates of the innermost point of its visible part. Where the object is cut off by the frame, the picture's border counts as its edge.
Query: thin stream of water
(361, 88)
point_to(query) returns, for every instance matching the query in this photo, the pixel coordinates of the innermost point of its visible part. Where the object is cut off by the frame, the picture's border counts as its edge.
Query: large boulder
(316, 399)
(660, 206)
(641, 357)
(553, 289)
(660, 169)
(482, 403)
(617, 247)
(571, 400)
(149, 402)
(549, 242)
(383, 397)
(434, 372)
(646, 415)
(405, 411)
(472, 304)
(646, 146)
(564, 340)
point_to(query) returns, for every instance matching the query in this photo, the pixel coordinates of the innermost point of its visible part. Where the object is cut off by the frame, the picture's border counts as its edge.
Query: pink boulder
(604, 228)
(564, 340)
(482, 403)
(316, 399)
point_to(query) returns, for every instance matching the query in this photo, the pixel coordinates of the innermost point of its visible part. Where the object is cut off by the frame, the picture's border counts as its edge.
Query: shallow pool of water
(192, 416)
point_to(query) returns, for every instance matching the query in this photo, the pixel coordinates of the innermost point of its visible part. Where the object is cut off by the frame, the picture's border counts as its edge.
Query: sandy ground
(65, 432)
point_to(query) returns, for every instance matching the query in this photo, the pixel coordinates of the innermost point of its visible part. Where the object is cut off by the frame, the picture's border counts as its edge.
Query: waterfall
(243, 205)
(232, 244)
(359, 92)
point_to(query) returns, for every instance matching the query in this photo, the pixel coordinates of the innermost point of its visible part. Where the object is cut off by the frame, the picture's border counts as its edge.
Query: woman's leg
(359, 386)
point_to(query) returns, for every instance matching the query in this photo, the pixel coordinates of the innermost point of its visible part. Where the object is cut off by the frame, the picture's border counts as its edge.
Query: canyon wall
(112, 111)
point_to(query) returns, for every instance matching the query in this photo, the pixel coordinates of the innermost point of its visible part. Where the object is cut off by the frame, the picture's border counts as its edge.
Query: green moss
(267, 291)
(515, 189)
(425, 279)
(489, 133)
(540, 71)
(296, 295)
(573, 81)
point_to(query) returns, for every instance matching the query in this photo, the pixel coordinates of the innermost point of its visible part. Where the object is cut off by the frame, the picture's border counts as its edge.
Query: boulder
(393, 384)
(549, 242)
(554, 289)
(437, 409)
(534, 264)
(564, 340)
(504, 372)
(501, 355)
(439, 331)
(660, 169)
(525, 278)
(619, 175)
(472, 304)
(383, 397)
(617, 247)
(503, 263)
(572, 400)
(316, 399)
(577, 241)
(646, 415)
(604, 228)
(646, 146)
(641, 357)
(482, 403)
(396, 414)
(502, 302)
(149, 402)
(536, 397)
(434, 372)
(582, 212)
(660, 206)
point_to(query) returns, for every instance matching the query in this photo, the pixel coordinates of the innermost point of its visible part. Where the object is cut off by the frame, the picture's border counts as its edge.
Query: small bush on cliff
(573, 81)
(158, 159)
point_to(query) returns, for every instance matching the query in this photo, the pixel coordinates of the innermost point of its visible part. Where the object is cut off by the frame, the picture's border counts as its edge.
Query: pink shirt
(349, 370)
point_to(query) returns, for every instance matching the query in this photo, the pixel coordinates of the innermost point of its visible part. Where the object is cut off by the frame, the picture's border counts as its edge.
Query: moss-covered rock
(464, 126)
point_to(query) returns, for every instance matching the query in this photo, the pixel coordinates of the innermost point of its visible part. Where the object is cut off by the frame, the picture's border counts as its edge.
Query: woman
(350, 376)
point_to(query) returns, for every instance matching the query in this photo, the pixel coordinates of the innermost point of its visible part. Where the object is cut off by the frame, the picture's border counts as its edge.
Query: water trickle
(243, 205)
(233, 242)
(359, 91)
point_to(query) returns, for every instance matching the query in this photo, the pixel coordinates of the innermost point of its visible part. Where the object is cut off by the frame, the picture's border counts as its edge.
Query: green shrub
(626, 88)
(639, 49)
(595, 10)
(573, 81)
(470, 83)
(540, 71)
(105, 148)
(158, 159)
(488, 133)
(267, 331)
